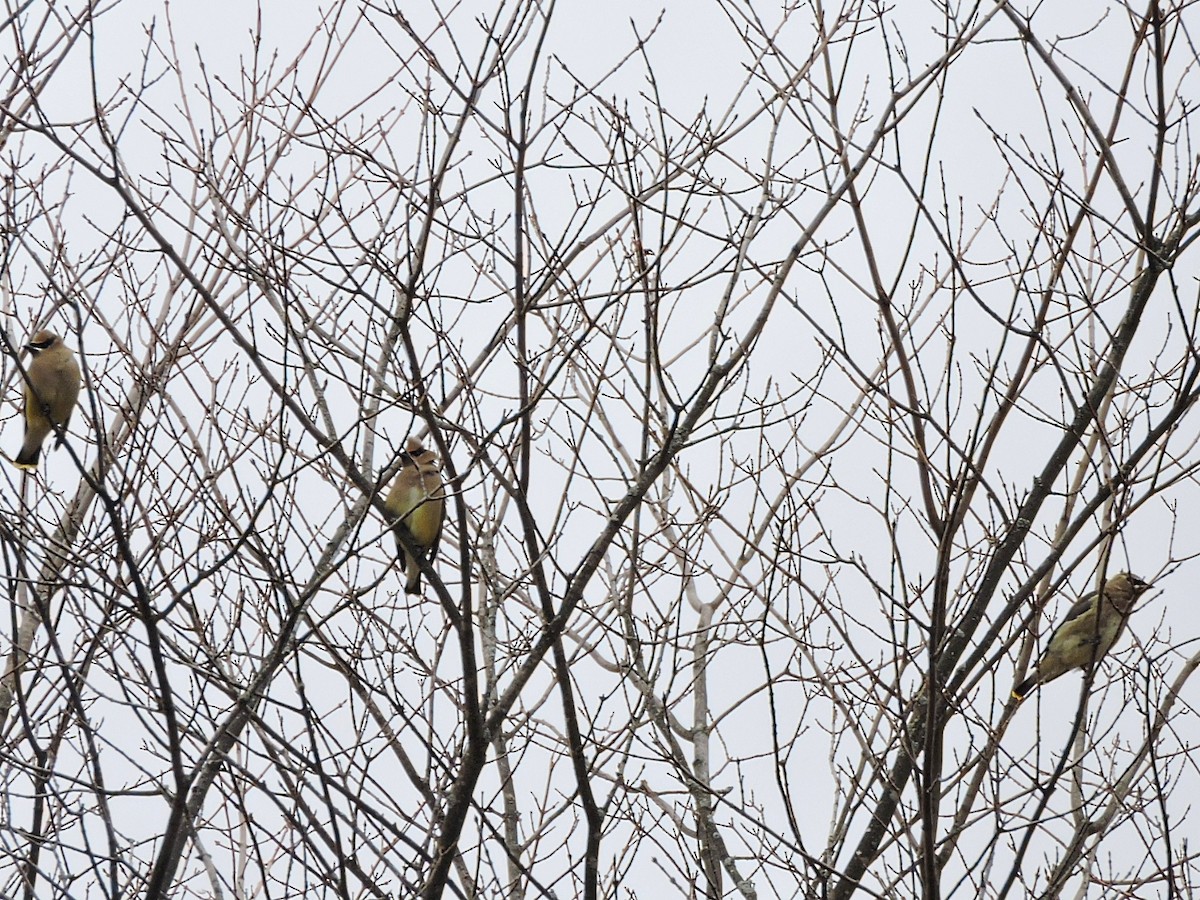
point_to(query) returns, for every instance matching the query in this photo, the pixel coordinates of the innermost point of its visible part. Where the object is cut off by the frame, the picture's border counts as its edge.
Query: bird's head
(43, 340)
(415, 454)
(1124, 588)
(1137, 585)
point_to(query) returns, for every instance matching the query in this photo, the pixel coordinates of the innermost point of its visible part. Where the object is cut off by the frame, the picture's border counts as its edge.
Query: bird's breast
(423, 521)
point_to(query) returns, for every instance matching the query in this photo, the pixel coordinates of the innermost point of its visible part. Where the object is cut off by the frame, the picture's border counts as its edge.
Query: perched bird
(51, 389)
(1088, 632)
(416, 499)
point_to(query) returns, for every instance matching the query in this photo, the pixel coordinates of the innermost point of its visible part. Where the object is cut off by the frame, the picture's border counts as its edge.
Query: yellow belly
(424, 521)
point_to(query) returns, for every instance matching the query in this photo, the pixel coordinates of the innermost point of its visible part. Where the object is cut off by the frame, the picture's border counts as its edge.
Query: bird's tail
(28, 458)
(1022, 690)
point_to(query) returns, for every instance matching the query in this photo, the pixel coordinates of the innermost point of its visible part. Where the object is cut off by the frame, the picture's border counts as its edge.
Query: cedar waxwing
(1088, 632)
(51, 385)
(416, 498)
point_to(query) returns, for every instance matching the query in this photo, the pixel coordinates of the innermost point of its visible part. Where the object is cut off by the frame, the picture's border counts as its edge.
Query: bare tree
(793, 368)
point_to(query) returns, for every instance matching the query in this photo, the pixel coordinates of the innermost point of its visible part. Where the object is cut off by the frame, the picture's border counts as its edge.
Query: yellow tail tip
(1024, 689)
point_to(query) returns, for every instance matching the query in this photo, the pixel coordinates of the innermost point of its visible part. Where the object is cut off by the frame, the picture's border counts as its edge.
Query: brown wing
(1079, 608)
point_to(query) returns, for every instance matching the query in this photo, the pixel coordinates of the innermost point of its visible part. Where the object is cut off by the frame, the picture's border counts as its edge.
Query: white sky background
(837, 582)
